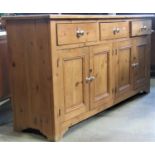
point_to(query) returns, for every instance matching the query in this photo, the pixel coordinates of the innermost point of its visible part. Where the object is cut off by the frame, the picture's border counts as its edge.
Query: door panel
(123, 69)
(100, 68)
(140, 68)
(74, 69)
(73, 83)
(101, 72)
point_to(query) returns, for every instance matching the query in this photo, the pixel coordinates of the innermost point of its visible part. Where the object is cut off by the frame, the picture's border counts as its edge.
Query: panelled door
(101, 76)
(74, 70)
(140, 62)
(123, 58)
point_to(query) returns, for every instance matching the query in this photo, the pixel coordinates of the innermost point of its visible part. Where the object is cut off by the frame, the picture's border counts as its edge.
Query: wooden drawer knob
(80, 33)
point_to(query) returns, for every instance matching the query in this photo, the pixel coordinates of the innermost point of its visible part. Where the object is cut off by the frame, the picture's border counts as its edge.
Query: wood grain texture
(74, 70)
(114, 30)
(101, 68)
(123, 67)
(50, 16)
(58, 80)
(68, 33)
(31, 75)
(141, 27)
(140, 55)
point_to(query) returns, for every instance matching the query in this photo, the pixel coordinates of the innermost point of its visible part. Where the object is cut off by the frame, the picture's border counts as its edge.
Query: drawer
(73, 33)
(141, 27)
(114, 30)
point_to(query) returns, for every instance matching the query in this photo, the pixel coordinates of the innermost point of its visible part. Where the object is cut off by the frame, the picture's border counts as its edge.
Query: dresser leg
(57, 138)
(54, 139)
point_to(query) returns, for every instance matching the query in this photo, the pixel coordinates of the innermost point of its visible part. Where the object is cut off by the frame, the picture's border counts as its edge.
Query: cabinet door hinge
(115, 90)
(59, 112)
(58, 60)
(116, 52)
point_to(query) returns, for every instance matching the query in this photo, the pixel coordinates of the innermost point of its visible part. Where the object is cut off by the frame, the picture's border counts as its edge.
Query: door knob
(80, 33)
(144, 28)
(114, 31)
(135, 65)
(92, 78)
(89, 79)
(118, 30)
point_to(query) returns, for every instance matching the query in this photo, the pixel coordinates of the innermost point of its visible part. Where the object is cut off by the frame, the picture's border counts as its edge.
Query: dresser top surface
(50, 16)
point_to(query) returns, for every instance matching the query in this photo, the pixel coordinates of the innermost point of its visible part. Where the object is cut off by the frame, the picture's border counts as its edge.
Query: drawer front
(73, 33)
(114, 30)
(107, 30)
(123, 30)
(142, 27)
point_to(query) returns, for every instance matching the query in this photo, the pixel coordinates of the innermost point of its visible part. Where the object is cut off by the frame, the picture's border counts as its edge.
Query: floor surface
(130, 121)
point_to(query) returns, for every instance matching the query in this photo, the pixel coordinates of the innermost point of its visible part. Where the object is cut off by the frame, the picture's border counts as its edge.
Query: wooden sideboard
(65, 69)
(4, 69)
